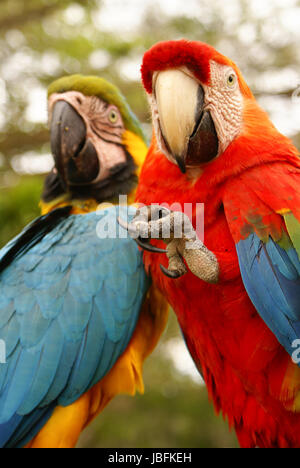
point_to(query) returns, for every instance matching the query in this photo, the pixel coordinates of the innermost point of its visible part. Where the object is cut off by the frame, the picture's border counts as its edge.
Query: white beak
(177, 100)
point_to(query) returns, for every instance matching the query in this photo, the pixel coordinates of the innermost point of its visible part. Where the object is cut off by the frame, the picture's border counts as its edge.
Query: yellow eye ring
(113, 116)
(231, 80)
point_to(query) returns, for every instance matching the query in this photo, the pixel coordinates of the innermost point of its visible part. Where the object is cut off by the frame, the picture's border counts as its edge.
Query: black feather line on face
(122, 181)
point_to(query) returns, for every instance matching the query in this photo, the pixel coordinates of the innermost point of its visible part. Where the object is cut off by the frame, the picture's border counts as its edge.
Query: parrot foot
(144, 243)
(183, 245)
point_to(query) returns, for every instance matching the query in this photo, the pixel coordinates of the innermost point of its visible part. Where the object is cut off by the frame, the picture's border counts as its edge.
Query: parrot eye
(231, 80)
(113, 116)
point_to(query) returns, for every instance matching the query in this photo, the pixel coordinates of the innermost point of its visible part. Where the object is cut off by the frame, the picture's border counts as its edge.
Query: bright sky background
(176, 350)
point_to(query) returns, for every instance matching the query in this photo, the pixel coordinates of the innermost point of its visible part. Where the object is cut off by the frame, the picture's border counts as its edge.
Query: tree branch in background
(19, 142)
(16, 21)
(24, 16)
(286, 93)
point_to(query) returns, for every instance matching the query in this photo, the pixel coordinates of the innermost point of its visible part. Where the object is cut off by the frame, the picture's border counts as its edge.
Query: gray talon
(183, 245)
(145, 245)
(123, 224)
(173, 274)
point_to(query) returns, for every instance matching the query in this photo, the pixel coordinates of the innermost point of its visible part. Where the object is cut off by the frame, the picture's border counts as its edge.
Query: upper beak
(75, 156)
(188, 130)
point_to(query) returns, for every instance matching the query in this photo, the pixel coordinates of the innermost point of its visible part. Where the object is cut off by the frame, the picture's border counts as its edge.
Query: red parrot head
(200, 102)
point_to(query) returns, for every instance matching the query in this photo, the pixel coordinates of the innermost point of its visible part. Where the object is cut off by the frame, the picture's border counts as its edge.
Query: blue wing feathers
(9, 428)
(19, 430)
(64, 369)
(272, 280)
(14, 393)
(280, 259)
(88, 358)
(6, 313)
(68, 308)
(49, 358)
(11, 332)
(23, 302)
(33, 328)
(49, 302)
(73, 324)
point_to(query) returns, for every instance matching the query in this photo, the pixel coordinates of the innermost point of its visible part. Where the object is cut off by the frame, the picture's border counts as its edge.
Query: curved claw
(123, 224)
(148, 247)
(171, 274)
(143, 243)
(127, 228)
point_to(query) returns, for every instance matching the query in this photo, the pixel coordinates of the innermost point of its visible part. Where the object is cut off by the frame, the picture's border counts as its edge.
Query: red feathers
(260, 207)
(249, 375)
(175, 54)
(194, 55)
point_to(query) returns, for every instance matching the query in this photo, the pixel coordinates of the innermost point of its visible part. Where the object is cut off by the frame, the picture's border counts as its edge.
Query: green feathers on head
(95, 86)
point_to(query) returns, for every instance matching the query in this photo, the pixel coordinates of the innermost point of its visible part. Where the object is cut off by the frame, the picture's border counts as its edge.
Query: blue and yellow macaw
(78, 314)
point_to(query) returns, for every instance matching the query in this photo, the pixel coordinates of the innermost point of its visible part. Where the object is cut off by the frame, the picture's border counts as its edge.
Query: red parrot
(237, 296)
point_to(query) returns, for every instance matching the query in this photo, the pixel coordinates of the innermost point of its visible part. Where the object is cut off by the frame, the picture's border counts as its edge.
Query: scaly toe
(173, 274)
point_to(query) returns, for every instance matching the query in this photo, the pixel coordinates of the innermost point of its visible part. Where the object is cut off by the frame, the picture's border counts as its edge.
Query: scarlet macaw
(77, 312)
(240, 308)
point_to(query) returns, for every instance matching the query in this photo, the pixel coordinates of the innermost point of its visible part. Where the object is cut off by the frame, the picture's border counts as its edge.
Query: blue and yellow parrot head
(97, 142)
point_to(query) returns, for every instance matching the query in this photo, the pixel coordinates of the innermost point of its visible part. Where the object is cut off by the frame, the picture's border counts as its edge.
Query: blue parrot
(78, 314)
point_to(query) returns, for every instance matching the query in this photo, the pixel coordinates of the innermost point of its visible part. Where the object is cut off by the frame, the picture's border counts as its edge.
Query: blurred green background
(41, 40)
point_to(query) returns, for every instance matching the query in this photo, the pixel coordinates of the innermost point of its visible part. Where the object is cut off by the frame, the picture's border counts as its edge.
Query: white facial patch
(104, 124)
(224, 100)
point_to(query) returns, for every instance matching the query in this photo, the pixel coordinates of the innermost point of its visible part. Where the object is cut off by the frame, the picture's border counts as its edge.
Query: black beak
(75, 156)
(186, 125)
(203, 145)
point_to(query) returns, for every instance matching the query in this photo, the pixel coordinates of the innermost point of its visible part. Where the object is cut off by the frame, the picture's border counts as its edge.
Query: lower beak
(188, 130)
(75, 156)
